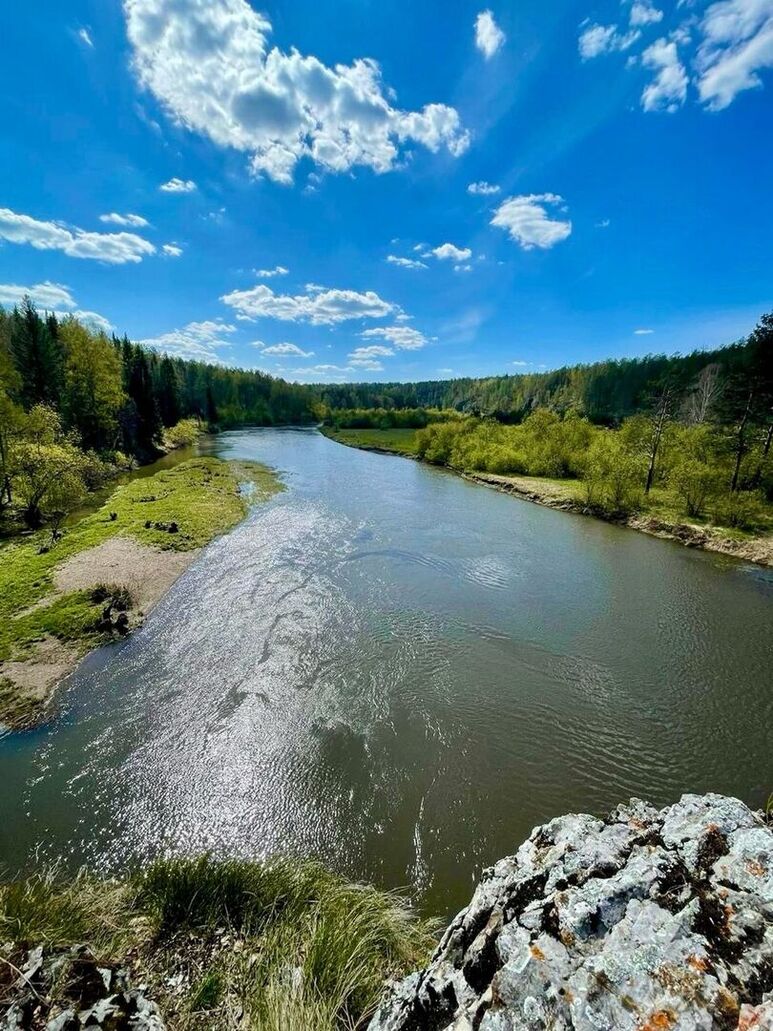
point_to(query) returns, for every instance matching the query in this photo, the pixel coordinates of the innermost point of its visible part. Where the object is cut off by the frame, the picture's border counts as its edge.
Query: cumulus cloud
(393, 259)
(176, 185)
(269, 273)
(603, 39)
(172, 250)
(450, 252)
(285, 350)
(668, 89)
(200, 341)
(211, 65)
(132, 221)
(44, 295)
(488, 36)
(731, 44)
(318, 305)
(404, 338)
(112, 248)
(369, 353)
(737, 44)
(527, 221)
(645, 13)
(462, 268)
(54, 298)
(482, 189)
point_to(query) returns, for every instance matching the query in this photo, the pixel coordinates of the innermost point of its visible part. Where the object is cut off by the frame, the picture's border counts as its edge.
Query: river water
(401, 673)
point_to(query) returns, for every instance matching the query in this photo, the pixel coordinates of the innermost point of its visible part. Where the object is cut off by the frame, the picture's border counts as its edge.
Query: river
(401, 673)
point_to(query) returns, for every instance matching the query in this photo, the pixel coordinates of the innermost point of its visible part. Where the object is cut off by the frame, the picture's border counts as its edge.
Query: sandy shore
(145, 572)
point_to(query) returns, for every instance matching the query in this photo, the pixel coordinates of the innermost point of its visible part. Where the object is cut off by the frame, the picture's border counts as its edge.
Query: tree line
(603, 392)
(75, 403)
(705, 444)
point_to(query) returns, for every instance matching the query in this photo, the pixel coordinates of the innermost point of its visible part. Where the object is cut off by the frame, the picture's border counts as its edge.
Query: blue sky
(356, 190)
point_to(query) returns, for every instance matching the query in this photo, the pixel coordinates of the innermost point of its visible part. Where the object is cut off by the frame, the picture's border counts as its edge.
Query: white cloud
(462, 268)
(644, 13)
(211, 65)
(370, 353)
(732, 43)
(198, 340)
(603, 39)
(450, 252)
(402, 337)
(643, 332)
(488, 36)
(54, 298)
(176, 185)
(318, 305)
(603, 223)
(737, 43)
(133, 221)
(269, 273)
(92, 319)
(172, 250)
(405, 262)
(113, 248)
(482, 189)
(85, 36)
(286, 350)
(366, 363)
(527, 221)
(44, 295)
(520, 364)
(668, 90)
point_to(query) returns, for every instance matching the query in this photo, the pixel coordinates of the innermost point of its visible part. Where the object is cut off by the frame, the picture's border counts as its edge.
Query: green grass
(402, 442)
(204, 497)
(288, 944)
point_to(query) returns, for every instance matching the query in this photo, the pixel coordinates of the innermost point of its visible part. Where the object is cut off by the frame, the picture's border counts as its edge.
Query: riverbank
(567, 496)
(60, 599)
(195, 943)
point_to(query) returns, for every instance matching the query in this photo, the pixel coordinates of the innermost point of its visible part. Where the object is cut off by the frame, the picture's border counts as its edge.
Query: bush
(182, 434)
(741, 509)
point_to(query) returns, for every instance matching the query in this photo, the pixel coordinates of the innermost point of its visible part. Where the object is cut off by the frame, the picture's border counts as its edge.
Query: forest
(75, 405)
(604, 392)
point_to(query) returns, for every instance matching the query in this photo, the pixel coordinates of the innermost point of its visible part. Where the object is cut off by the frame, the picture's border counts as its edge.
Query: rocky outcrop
(645, 920)
(69, 989)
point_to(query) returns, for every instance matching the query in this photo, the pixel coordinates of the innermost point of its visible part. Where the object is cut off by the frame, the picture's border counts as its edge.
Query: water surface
(401, 673)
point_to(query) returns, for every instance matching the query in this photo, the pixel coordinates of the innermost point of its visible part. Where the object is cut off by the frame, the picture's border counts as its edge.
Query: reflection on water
(401, 673)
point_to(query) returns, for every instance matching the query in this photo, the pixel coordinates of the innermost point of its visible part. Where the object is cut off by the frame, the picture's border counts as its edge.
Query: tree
(706, 392)
(644, 432)
(168, 393)
(37, 354)
(748, 400)
(92, 395)
(47, 466)
(613, 474)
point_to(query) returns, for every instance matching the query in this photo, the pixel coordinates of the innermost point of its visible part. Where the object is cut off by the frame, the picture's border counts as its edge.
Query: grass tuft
(275, 946)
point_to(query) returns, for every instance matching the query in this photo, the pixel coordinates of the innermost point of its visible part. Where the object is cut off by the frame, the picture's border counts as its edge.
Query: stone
(642, 921)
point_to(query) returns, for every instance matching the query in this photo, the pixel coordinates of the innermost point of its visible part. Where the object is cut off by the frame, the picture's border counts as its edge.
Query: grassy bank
(397, 441)
(279, 946)
(661, 516)
(59, 598)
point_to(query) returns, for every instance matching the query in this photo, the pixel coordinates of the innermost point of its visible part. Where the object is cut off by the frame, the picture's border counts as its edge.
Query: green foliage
(185, 433)
(402, 441)
(301, 947)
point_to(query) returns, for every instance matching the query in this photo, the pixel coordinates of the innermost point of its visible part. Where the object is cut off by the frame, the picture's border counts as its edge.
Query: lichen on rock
(646, 920)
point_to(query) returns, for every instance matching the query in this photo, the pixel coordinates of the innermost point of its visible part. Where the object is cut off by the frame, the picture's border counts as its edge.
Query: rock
(645, 920)
(67, 989)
